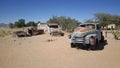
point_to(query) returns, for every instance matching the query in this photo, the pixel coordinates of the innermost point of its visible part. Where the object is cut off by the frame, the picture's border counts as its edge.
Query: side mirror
(69, 36)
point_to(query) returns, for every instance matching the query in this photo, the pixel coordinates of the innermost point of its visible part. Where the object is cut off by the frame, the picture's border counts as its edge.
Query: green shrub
(116, 34)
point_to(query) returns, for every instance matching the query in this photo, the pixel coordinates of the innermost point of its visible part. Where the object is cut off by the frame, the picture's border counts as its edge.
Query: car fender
(94, 35)
(87, 38)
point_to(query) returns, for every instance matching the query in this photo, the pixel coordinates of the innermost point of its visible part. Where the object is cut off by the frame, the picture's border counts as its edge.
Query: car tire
(73, 45)
(94, 47)
(102, 39)
(62, 34)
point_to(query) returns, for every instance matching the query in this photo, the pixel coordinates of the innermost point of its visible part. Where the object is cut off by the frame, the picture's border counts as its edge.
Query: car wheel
(62, 34)
(94, 47)
(73, 45)
(102, 39)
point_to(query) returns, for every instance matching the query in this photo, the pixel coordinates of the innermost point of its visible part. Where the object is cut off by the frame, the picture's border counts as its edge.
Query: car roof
(88, 23)
(52, 24)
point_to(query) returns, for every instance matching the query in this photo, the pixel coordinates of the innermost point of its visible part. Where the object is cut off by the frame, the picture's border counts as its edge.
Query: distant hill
(3, 25)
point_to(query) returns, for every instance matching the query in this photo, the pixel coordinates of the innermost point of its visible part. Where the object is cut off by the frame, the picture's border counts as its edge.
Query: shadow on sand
(100, 46)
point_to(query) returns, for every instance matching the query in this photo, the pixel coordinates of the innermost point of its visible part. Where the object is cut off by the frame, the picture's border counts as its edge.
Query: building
(111, 26)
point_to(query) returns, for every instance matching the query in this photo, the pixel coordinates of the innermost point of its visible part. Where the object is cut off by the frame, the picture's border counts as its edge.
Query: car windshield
(82, 34)
(53, 26)
(91, 26)
(78, 34)
(88, 26)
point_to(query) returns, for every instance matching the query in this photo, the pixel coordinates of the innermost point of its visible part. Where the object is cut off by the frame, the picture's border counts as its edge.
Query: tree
(103, 24)
(38, 22)
(16, 24)
(116, 19)
(11, 25)
(66, 23)
(31, 23)
(54, 19)
(89, 21)
(105, 19)
(20, 23)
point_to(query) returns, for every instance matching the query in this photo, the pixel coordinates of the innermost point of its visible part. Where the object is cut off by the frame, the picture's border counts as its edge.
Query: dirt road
(38, 52)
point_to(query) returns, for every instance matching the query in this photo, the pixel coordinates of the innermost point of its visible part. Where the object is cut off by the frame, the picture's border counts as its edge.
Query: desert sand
(38, 52)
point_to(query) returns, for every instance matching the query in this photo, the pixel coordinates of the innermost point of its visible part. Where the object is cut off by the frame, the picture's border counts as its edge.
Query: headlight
(73, 38)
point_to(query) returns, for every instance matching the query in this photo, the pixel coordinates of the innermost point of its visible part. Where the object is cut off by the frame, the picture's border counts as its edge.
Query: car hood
(81, 32)
(83, 29)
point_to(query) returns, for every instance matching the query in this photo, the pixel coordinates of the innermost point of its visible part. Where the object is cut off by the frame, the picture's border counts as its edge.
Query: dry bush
(7, 31)
(116, 34)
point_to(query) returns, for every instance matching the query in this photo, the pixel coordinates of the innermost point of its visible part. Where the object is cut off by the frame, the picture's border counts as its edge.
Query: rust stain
(83, 29)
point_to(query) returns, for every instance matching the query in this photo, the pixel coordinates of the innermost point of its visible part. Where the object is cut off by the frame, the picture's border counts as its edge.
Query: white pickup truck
(54, 29)
(86, 35)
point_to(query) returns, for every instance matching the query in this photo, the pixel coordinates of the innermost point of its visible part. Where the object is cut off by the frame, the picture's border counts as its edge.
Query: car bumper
(82, 41)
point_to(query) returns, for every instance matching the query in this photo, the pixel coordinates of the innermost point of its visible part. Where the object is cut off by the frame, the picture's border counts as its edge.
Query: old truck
(54, 29)
(86, 35)
(30, 31)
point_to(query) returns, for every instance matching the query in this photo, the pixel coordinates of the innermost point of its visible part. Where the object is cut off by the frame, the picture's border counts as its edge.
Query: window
(91, 26)
(98, 27)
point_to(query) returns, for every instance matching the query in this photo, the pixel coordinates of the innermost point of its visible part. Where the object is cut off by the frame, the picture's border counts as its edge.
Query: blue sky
(42, 10)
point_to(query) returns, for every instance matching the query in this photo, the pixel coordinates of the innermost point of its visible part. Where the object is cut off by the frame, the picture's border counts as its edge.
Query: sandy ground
(37, 52)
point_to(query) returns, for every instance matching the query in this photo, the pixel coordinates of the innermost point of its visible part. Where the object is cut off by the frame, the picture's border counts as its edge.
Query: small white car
(55, 29)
